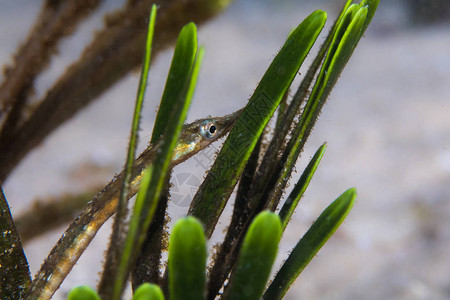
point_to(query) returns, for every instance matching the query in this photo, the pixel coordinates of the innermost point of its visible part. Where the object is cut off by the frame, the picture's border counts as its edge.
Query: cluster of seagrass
(242, 263)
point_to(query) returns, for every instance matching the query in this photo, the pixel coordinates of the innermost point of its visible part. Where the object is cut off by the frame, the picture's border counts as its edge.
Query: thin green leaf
(147, 266)
(300, 187)
(372, 7)
(214, 192)
(312, 70)
(14, 272)
(83, 292)
(137, 110)
(148, 291)
(256, 258)
(144, 210)
(116, 245)
(194, 76)
(317, 235)
(187, 260)
(183, 59)
(133, 230)
(271, 166)
(347, 35)
(302, 91)
(343, 45)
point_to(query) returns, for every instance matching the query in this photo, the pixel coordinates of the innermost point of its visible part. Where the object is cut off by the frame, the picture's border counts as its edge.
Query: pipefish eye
(208, 129)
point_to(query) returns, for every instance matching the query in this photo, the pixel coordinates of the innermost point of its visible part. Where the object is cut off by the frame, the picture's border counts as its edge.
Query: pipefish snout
(193, 138)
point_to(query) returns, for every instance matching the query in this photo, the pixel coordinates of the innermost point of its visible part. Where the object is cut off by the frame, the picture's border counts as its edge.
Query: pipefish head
(201, 133)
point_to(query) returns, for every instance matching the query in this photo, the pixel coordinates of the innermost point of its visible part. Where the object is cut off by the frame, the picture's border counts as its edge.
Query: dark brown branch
(56, 20)
(14, 271)
(115, 51)
(148, 264)
(221, 268)
(14, 115)
(51, 213)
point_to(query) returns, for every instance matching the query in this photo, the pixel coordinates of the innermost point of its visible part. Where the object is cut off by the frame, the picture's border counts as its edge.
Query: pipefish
(193, 138)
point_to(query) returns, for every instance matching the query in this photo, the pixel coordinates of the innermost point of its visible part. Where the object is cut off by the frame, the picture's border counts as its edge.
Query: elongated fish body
(193, 138)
